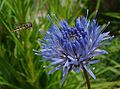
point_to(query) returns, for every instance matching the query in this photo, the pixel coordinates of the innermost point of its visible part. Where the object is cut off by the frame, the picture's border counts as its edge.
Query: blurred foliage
(21, 69)
(109, 10)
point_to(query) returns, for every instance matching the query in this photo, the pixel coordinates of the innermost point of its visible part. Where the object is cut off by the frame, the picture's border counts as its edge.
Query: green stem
(86, 77)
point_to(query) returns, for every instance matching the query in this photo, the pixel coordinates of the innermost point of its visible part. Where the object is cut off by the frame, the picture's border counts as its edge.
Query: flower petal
(94, 61)
(55, 69)
(89, 71)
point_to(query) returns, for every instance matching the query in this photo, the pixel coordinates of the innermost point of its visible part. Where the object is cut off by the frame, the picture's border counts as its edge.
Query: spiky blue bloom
(72, 48)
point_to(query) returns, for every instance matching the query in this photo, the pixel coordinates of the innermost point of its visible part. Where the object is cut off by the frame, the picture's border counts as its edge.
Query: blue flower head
(72, 48)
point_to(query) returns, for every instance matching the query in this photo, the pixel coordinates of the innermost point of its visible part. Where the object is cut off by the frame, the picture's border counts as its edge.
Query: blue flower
(72, 48)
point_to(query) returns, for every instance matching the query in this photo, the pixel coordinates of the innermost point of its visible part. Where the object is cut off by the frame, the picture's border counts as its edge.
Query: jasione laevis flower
(73, 47)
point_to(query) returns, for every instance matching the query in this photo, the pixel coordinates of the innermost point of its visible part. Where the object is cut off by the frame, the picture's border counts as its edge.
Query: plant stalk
(87, 78)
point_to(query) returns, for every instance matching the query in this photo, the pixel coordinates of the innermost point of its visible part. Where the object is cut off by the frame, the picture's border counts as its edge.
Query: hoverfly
(23, 26)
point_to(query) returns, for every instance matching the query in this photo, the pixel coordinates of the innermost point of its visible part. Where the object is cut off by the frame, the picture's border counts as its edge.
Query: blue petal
(102, 36)
(57, 61)
(55, 30)
(89, 71)
(98, 52)
(94, 61)
(83, 21)
(66, 67)
(63, 24)
(78, 49)
(77, 70)
(69, 49)
(78, 24)
(72, 59)
(55, 69)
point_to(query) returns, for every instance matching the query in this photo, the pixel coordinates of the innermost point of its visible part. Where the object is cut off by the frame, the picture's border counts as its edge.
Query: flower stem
(87, 78)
